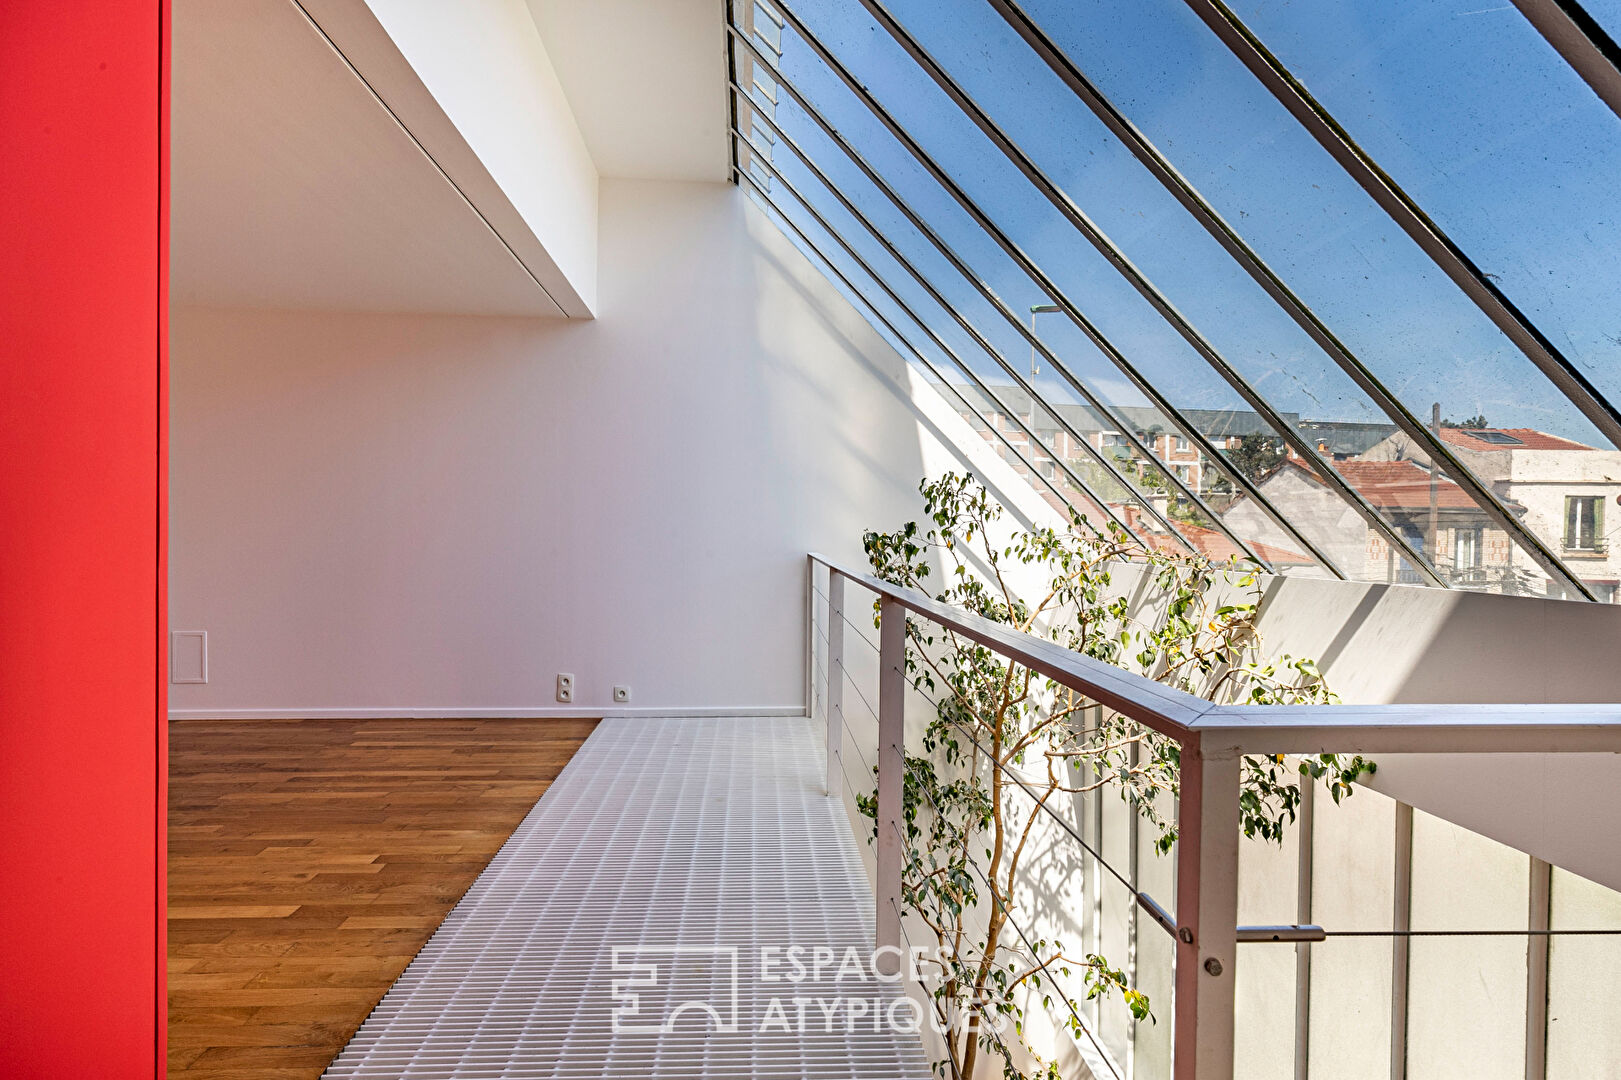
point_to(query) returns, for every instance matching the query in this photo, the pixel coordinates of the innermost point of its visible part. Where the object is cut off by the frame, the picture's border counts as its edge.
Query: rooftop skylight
(1083, 218)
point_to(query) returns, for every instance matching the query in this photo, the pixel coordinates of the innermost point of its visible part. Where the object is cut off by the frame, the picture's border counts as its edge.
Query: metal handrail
(1214, 739)
(1262, 729)
(1165, 709)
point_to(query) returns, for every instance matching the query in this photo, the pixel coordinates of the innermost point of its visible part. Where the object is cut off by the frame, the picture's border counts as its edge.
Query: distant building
(1559, 488)
(1174, 451)
(1465, 546)
(1342, 439)
(1565, 493)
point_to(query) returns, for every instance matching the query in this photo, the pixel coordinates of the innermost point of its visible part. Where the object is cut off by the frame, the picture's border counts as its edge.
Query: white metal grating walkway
(686, 845)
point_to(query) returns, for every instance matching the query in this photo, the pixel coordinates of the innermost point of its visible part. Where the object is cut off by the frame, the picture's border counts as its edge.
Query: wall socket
(621, 695)
(565, 687)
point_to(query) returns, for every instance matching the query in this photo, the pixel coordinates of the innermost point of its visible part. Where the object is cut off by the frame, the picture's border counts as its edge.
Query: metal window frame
(984, 345)
(1045, 283)
(1029, 460)
(1117, 258)
(1223, 233)
(1585, 45)
(1409, 216)
(894, 332)
(731, 105)
(1100, 409)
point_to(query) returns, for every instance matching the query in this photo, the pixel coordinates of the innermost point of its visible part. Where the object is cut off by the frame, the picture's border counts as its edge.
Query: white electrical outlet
(621, 694)
(565, 687)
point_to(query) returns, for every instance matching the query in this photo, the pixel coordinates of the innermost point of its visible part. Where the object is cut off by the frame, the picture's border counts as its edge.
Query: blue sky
(1461, 101)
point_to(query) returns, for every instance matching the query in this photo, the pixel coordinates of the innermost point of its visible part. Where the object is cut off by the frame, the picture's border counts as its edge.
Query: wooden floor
(310, 860)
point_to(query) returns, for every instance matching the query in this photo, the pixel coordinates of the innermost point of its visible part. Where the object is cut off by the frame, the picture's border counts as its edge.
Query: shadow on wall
(1411, 645)
(811, 288)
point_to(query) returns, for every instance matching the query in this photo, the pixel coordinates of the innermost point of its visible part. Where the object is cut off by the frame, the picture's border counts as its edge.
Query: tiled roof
(1216, 546)
(1529, 439)
(1394, 485)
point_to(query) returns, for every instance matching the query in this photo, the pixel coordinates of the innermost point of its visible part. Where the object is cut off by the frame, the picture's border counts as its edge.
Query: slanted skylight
(1155, 274)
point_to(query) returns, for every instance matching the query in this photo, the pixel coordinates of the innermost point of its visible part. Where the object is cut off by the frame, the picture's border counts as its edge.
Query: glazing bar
(1187, 429)
(1576, 36)
(1224, 234)
(1012, 372)
(1135, 277)
(1406, 213)
(845, 281)
(1102, 412)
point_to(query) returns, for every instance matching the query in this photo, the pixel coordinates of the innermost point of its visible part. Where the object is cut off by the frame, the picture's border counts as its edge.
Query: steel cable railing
(1030, 947)
(978, 870)
(1140, 898)
(1213, 739)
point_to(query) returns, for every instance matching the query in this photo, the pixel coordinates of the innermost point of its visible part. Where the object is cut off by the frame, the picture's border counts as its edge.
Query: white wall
(485, 64)
(1399, 643)
(1404, 643)
(646, 82)
(400, 514)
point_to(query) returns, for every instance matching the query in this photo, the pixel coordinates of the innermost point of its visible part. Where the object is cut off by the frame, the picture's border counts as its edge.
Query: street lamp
(1035, 368)
(1038, 309)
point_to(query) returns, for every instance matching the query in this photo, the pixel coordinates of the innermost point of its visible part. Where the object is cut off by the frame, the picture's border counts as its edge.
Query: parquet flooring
(310, 860)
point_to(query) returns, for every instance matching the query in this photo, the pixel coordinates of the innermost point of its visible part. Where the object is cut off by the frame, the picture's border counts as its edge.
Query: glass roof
(1175, 295)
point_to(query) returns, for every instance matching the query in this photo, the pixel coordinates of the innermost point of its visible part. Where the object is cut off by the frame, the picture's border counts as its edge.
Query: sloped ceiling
(646, 80)
(294, 187)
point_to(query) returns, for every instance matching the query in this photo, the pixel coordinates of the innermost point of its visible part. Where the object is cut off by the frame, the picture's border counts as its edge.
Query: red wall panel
(82, 476)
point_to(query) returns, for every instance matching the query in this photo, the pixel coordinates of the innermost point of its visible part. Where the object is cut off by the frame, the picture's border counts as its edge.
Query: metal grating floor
(665, 849)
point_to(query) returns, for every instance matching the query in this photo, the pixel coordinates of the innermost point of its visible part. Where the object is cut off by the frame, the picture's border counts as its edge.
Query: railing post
(1306, 846)
(1207, 916)
(835, 681)
(891, 761)
(1401, 918)
(809, 659)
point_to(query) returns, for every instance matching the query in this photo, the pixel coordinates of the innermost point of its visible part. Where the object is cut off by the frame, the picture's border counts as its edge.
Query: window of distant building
(1496, 438)
(1584, 522)
(1603, 592)
(1406, 572)
(1466, 549)
(1181, 443)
